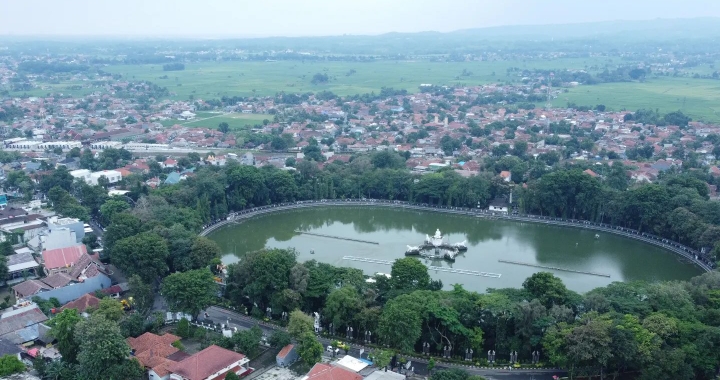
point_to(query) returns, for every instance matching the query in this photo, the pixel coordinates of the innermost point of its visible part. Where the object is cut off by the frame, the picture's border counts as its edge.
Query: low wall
(75, 291)
(689, 253)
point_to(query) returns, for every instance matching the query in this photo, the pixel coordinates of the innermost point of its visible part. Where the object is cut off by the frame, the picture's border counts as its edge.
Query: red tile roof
(30, 288)
(82, 303)
(205, 363)
(590, 173)
(154, 351)
(115, 289)
(63, 257)
(286, 350)
(323, 371)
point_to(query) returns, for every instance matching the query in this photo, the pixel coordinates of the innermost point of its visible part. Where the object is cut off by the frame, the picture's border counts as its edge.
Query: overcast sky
(250, 18)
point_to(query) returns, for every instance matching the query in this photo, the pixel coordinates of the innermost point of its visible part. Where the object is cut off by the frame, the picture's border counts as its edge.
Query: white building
(92, 178)
(106, 145)
(67, 145)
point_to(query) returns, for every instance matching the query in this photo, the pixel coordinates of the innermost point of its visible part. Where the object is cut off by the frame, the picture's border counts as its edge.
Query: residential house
(9, 348)
(82, 304)
(498, 205)
(22, 325)
(62, 259)
(385, 375)
(248, 159)
(66, 282)
(322, 371)
(169, 163)
(156, 353)
(20, 265)
(590, 173)
(216, 160)
(287, 356)
(74, 224)
(211, 363)
(506, 175)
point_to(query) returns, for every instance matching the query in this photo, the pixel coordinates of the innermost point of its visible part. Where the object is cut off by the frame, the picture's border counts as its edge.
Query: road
(233, 319)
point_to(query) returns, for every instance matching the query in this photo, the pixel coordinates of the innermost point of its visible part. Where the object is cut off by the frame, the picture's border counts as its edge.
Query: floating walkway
(337, 237)
(553, 268)
(439, 269)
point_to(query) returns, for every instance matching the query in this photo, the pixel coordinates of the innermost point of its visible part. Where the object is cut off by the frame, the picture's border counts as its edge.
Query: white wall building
(91, 178)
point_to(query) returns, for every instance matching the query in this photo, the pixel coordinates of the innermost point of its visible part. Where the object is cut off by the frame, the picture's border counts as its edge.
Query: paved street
(233, 319)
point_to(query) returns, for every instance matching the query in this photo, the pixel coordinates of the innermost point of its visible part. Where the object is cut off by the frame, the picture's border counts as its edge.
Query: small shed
(287, 356)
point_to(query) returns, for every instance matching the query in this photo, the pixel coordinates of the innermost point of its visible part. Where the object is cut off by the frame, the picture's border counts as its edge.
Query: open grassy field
(698, 98)
(216, 79)
(212, 120)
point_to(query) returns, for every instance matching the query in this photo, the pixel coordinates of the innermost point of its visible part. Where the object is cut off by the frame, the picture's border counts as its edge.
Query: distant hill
(649, 29)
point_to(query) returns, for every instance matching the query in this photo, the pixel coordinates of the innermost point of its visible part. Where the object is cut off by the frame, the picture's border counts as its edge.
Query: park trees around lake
(190, 291)
(144, 254)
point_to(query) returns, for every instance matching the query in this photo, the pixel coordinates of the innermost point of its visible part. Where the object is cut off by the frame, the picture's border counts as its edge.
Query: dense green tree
(299, 324)
(309, 349)
(248, 341)
(547, 288)
(189, 291)
(144, 254)
(279, 339)
(110, 309)
(381, 358)
(62, 328)
(10, 364)
(401, 321)
(342, 306)
(111, 207)
(132, 325)
(224, 127)
(260, 274)
(6, 248)
(203, 250)
(409, 274)
(142, 293)
(104, 350)
(123, 225)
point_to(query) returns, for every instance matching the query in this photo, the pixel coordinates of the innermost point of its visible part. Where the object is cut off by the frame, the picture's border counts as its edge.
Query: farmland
(699, 98)
(216, 79)
(212, 119)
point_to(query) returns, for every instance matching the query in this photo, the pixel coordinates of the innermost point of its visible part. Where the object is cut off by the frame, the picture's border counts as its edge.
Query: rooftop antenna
(548, 105)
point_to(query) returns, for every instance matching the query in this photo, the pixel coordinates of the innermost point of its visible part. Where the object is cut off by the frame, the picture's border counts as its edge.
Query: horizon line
(224, 36)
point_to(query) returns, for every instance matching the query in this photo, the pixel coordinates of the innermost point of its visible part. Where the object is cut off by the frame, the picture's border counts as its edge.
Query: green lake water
(488, 241)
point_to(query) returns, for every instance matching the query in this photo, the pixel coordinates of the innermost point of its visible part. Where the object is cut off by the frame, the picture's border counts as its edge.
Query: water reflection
(487, 240)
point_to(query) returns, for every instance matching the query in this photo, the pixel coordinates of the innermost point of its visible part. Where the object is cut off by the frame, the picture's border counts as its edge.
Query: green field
(699, 98)
(211, 120)
(214, 80)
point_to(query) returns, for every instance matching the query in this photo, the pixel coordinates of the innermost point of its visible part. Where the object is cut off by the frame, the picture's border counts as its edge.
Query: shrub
(183, 328)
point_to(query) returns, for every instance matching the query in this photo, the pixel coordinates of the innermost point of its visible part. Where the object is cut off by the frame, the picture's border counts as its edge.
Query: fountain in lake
(436, 247)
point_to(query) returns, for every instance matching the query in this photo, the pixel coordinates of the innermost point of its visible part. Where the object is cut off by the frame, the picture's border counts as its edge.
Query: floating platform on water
(553, 268)
(337, 237)
(439, 269)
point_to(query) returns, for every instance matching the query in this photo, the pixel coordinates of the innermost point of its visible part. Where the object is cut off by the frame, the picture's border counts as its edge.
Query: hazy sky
(244, 18)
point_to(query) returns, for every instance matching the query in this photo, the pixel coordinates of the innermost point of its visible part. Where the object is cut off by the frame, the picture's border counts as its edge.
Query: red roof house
(211, 363)
(155, 352)
(83, 303)
(323, 371)
(62, 259)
